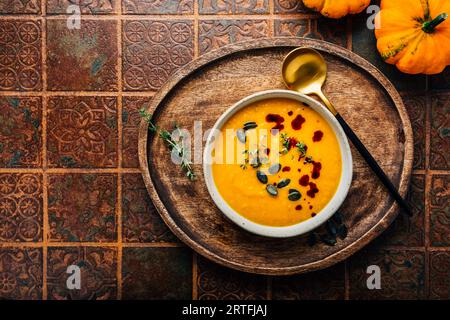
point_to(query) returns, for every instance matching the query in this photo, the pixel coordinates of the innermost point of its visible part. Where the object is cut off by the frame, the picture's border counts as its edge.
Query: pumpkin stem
(429, 26)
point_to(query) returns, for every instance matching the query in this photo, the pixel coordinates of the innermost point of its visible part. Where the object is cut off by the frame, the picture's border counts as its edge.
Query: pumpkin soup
(278, 162)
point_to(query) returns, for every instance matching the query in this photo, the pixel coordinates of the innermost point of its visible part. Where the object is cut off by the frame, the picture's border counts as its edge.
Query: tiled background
(70, 187)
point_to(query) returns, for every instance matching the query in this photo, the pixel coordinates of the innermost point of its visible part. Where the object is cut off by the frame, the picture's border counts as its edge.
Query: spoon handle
(373, 164)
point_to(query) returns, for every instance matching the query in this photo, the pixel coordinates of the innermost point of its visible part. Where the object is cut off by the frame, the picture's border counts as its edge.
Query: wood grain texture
(204, 89)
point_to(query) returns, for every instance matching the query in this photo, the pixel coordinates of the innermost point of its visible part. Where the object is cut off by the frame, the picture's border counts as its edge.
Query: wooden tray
(204, 89)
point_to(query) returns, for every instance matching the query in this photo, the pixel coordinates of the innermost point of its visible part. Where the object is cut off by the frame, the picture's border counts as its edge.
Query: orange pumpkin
(414, 35)
(337, 8)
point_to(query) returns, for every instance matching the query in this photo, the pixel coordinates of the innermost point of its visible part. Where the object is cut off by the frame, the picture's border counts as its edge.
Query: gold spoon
(305, 71)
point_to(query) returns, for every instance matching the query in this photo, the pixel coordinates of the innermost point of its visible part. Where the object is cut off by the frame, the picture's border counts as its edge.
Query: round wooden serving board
(204, 89)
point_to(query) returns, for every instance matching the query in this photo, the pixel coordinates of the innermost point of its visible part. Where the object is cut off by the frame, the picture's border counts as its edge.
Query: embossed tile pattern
(158, 6)
(20, 55)
(20, 6)
(440, 210)
(85, 7)
(233, 6)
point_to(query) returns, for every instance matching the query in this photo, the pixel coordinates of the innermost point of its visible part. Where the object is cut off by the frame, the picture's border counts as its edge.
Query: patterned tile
(86, 7)
(440, 132)
(82, 132)
(82, 207)
(88, 55)
(233, 6)
(440, 210)
(416, 105)
(214, 34)
(98, 267)
(158, 6)
(290, 6)
(292, 27)
(334, 31)
(141, 221)
(20, 273)
(20, 55)
(130, 132)
(441, 81)
(153, 50)
(215, 282)
(20, 132)
(439, 275)
(157, 273)
(402, 274)
(20, 6)
(20, 207)
(365, 44)
(409, 231)
(328, 284)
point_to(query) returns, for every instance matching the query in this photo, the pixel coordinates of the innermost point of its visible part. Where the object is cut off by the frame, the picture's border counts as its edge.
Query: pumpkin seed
(240, 133)
(272, 190)
(337, 217)
(329, 240)
(294, 195)
(342, 231)
(275, 168)
(312, 239)
(250, 125)
(262, 177)
(283, 183)
(331, 228)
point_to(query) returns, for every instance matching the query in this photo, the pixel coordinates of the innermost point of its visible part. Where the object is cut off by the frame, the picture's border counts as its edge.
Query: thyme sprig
(174, 146)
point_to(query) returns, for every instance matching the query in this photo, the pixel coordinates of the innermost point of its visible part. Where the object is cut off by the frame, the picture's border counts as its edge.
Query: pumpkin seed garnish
(272, 190)
(240, 133)
(250, 125)
(334, 228)
(294, 195)
(275, 168)
(283, 183)
(262, 177)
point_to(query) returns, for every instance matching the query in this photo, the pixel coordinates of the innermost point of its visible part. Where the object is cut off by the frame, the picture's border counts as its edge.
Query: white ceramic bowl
(302, 227)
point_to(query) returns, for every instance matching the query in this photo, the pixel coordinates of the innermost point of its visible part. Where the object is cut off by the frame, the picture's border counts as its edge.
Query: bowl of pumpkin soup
(277, 163)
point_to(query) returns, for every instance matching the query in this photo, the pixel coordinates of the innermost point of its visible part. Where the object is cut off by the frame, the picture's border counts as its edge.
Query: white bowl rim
(301, 227)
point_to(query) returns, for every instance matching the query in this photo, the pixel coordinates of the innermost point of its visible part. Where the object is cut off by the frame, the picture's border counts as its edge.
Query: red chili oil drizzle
(313, 214)
(267, 151)
(290, 113)
(299, 207)
(292, 142)
(299, 170)
(304, 180)
(297, 122)
(286, 169)
(277, 119)
(317, 136)
(310, 207)
(317, 166)
(312, 190)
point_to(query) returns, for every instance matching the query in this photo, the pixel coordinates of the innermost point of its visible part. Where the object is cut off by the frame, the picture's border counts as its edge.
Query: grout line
(194, 276)
(90, 244)
(269, 295)
(45, 222)
(349, 32)
(196, 31)
(346, 279)
(427, 190)
(119, 154)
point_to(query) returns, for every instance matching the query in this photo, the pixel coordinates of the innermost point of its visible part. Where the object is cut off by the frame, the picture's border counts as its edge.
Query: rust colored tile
(440, 132)
(141, 221)
(86, 7)
(440, 210)
(416, 106)
(84, 59)
(20, 7)
(290, 6)
(20, 273)
(439, 275)
(158, 7)
(215, 282)
(214, 34)
(154, 50)
(82, 132)
(20, 207)
(328, 284)
(157, 273)
(402, 274)
(82, 207)
(233, 6)
(131, 120)
(98, 267)
(292, 27)
(409, 231)
(334, 31)
(20, 55)
(20, 132)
